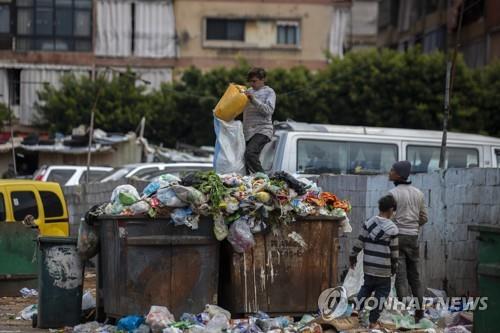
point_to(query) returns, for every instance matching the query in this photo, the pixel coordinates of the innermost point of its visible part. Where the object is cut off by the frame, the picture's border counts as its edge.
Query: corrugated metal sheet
(155, 29)
(114, 28)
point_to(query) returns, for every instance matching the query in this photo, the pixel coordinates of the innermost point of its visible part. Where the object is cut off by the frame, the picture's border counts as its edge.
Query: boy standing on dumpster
(379, 242)
(257, 118)
(411, 215)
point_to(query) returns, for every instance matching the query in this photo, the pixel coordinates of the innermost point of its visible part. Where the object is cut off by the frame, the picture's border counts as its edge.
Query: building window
(225, 29)
(14, 79)
(54, 25)
(5, 36)
(288, 33)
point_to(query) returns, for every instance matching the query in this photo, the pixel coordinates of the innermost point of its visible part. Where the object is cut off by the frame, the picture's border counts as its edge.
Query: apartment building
(432, 24)
(269, 33)
(41, 40)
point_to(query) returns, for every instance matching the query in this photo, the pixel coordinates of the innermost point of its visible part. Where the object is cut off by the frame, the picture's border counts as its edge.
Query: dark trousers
(408, 270)
(382, 288)
(252, 153)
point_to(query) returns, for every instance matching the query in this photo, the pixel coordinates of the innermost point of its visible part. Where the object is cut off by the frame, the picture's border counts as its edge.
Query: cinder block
(492, 176)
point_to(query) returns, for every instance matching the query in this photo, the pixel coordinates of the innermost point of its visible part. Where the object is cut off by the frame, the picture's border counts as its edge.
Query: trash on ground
(28, 312)
(88, 301)
(26, 292)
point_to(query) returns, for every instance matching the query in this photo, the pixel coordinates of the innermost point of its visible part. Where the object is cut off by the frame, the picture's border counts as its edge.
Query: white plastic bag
(159, 318)
(229, 156)
(354, 278)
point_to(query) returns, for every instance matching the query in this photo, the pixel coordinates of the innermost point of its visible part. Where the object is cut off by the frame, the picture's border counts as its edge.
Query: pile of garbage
(213, 319)
(239, 205)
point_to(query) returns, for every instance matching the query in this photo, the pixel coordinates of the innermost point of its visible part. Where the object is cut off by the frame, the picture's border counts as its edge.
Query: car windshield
(117, 174)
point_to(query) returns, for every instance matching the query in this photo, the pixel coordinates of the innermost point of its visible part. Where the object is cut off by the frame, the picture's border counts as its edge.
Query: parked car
(313, 149)
(178, 169)
(42, 200)
(68, 175)
(142, 170)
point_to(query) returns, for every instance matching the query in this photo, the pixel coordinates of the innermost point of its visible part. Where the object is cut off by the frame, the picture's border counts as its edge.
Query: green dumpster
(60, 283)
(488, 277)
(17, 258)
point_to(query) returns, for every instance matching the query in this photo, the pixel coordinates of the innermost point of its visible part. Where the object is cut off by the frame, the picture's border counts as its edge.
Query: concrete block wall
(80, 198)
(455, 198)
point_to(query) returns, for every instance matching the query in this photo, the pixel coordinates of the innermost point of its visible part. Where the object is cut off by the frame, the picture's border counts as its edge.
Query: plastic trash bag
(456, 329)
(240, 236)
(354, 278)
(220, 228)
(185, 216)
(219, 323)
(229, 155)
(168, 198)
(88, 239)
(125, 195)
(168, 179)
(159, 318)
(151, 189)
(345, 225)
(212, 310)
(91, 327)
(293, 182)
(130, 323)
(189, 195)
(26, 292)
(28, 312)
(140, 207)
(88, 301)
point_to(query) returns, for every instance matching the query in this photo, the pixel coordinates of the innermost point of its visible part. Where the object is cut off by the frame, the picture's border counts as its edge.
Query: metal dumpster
(488, 277)
(60, 283)
(17, 258)
(278, 276)
(144, 262)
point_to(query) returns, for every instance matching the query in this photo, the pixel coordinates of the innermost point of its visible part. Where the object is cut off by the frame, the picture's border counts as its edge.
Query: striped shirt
(379, 242)
(411, 212)
(257, 117)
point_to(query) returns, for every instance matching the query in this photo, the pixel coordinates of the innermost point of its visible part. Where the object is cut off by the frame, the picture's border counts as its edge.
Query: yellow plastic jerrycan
(232, 103)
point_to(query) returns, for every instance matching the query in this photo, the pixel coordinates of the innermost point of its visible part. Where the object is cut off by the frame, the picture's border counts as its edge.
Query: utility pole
(450, 77)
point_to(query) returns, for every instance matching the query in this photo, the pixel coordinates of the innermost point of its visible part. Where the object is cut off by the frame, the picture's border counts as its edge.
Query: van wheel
(34, 321)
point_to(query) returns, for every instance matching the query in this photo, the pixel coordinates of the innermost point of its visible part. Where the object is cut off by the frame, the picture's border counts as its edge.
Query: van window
(322, 156)
(2, 208)
(426, 159)
(24, 203)
(52, 206)
(497, 153)
(60, 176)
(94, 176)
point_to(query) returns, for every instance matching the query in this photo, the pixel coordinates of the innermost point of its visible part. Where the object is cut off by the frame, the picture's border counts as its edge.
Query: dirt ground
(10, 307)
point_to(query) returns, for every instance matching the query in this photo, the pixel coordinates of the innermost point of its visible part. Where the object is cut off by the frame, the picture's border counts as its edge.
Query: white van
(312, 149)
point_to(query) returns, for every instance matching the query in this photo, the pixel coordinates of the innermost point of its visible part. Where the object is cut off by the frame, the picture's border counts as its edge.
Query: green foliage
(4, 113)
(372, 88)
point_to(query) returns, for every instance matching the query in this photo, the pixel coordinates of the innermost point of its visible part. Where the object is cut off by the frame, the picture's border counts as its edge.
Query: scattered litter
(90, 327)
(28, 312)
(88, 301)
(26, 292)
(130, 323)
(159, 318)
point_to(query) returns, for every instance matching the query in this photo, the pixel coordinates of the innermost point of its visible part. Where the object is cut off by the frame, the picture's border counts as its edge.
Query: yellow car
(42, 200)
